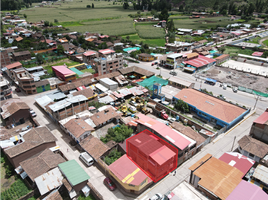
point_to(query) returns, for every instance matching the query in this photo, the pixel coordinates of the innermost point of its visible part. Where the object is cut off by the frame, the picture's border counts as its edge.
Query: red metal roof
(263, 119)
(13, 65)
(62, 69)
(127, 171)
(200, 61)
(106, 51)
(162, 154)
(238, 161)
(165, 131)
(89, 53)
(257, 53)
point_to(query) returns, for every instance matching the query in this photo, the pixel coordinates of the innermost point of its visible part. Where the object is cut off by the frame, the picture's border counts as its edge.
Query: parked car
(108, 182)
(86, 158)
(173, 73)
(157, 196)
(235, 89)
(17, 90)
(33, 113)
(224, 86)
(132, 109)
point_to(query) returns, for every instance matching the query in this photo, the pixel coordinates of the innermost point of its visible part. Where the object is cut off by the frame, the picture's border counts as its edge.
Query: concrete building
(24, 80)
(177, 47)
(5, 60)
(214, 178)
(222, 58)
(89, 56)
(152, 154)
(63, 73)
(252, 148)
(5, 89)
(67, 107)
(22, 55)
(145, 57)
(172, 60)
(212, 109)
(33, 142)
(129, 176)
(259, 128)
(181, 142)
(180, 83)
(107, 62)
(108, 83)
(12, 66)
(15, 112)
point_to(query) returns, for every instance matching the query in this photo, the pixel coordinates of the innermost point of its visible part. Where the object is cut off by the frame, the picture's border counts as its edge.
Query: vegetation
(92, 71)
(149, 32)
(254, 40)
(96, 104)
(207, 92)
(82, 197)
(17, 190)
(234, 51)
(112, 156)
(182, 106)
(117, 134)
(265, 42)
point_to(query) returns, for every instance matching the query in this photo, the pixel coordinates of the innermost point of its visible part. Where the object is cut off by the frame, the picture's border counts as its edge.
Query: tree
(92, 5)
(182, 106)
(50, 24)
(56, 21)
(60, 49)
(75, 43)
(170, 26)
(88, 6)
(25, 16)
(222, 49)
(265, 54)
(46, 23)
(112, 156)
(164, 15)
(39, 58)
(125, 5)
(181, 8)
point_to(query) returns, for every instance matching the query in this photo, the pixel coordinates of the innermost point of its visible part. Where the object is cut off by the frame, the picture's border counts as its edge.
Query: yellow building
(145, 57)
(129, 176)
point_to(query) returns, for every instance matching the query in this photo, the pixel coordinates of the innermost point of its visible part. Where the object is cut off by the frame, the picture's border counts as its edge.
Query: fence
(243, 89)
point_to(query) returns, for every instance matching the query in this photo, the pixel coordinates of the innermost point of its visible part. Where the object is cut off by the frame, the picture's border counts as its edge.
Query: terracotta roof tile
(12, 106)
(94, 146)
(13, 65)
(213, 106)
(88, 93)
(136, 69)
(189, 132)
(41, 164)
(78, 127)
(104, 116)
(253, 146)
(33, 138)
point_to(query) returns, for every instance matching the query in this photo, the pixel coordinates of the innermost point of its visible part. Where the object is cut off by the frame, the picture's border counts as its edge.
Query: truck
(160, 112)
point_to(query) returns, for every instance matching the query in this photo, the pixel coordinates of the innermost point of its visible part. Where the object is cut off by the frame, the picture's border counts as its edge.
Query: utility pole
(256, 101)
(233, 143)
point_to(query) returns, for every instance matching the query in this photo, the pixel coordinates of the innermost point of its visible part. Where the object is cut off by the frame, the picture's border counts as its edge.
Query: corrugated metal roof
(49, 181)
(73, 172)
(66, 102)
(261, 173)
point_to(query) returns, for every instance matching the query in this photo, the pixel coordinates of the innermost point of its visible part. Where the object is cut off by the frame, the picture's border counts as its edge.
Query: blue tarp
(211, 80)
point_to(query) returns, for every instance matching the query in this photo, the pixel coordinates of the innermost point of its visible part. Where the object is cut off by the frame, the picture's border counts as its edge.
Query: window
(251, 155)
(143, 182)
(131, 185)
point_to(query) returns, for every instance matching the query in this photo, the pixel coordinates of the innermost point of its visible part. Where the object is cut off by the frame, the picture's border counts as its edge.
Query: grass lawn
(92, 71)
(233, 51)
(152, 42)
(90, 197)
(66, 61)
(254, 40)
(149, 32)
(265, 42)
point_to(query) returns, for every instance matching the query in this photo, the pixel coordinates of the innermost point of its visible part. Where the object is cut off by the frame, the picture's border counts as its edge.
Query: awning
(211, 80)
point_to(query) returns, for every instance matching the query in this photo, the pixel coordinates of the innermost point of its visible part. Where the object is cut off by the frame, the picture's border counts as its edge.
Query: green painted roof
(73, 172)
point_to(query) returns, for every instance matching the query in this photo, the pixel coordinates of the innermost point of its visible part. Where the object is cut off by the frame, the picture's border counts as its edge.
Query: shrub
(112, 156)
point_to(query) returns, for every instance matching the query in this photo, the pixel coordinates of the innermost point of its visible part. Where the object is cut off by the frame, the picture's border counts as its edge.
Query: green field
(149, 32)
(265, 42)
(233, 51)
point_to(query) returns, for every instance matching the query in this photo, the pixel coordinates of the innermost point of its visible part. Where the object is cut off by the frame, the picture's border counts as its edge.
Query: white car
(157, 196)
(33, 113)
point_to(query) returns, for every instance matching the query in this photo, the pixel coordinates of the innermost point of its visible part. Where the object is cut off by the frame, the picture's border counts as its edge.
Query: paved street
(239, 97)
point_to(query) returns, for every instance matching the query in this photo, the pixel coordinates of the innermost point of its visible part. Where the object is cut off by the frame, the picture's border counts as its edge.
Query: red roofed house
(89, 56)
(107, 62)
(259, 128)
(200, 62)
(238, 161)
(13, 66)
(152, 154)
(129, 176)
(212, 109)
(63, 73)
